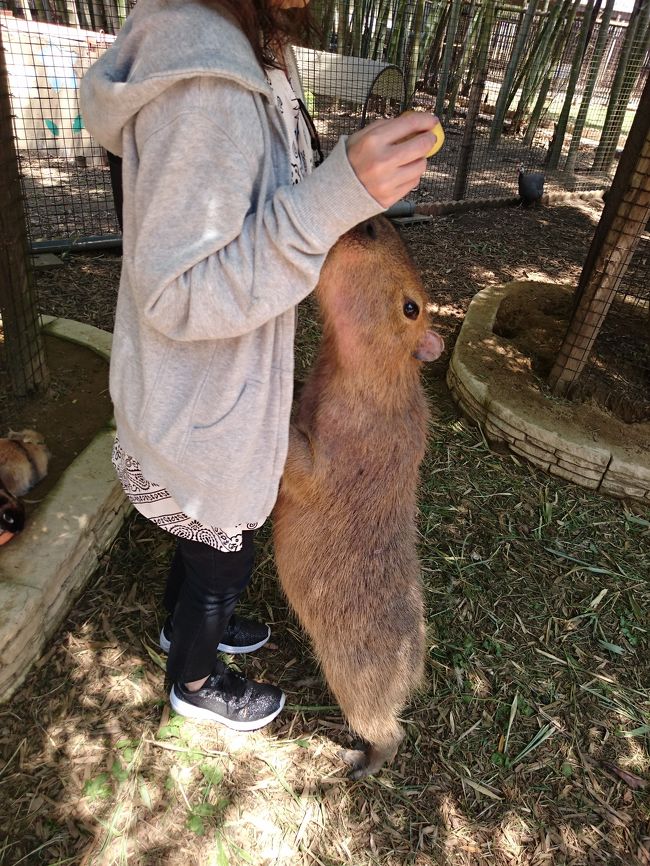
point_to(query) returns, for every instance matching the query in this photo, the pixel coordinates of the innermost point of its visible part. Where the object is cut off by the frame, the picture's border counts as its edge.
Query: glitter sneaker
(229, 698)
(241, 636)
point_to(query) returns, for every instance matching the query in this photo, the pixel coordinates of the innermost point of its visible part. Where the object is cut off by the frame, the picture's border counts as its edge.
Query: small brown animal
(23, 461)
(344, 523)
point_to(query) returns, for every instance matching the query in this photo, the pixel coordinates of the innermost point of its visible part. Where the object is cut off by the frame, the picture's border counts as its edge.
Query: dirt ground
(75, 406)
(529, 742)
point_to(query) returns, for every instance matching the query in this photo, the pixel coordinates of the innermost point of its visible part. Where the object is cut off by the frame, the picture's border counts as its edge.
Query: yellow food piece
(440, 136)
(438, 132)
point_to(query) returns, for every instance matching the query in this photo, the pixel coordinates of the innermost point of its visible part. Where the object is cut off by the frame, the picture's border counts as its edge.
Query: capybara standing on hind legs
(344, 523)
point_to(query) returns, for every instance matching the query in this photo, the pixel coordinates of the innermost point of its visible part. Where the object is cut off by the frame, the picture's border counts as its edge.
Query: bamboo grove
(573, 65)
(510, 61)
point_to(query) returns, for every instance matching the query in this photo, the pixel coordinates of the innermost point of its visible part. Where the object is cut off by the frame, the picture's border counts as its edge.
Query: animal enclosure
(502, 80)
(554, 90)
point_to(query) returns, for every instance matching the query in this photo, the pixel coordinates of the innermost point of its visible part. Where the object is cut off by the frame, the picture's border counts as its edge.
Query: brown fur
(23, 461)
(344, 523)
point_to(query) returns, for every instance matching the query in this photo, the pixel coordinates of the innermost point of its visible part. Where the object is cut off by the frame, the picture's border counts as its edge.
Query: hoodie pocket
(225, 443)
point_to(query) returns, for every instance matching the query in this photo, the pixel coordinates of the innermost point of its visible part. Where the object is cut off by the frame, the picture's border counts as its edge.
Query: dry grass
(527, 746)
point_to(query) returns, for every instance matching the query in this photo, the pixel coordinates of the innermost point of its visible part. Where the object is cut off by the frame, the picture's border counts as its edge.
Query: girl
(225, 229)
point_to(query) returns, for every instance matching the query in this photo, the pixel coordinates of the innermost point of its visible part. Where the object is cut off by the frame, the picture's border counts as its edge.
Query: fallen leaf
(631, 779)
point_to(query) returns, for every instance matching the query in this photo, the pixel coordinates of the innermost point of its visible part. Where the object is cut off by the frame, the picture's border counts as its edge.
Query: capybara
(344, 522)
(23, 461)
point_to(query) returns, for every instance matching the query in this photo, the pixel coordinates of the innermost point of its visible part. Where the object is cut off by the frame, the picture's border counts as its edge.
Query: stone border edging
(43, 570)
(575, 442)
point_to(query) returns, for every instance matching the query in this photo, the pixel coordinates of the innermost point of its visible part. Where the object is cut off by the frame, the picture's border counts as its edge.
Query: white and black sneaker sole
(165, 644)
(190, 711)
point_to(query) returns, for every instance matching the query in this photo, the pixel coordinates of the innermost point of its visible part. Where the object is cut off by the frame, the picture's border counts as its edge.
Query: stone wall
(43, 570)
(574, 442)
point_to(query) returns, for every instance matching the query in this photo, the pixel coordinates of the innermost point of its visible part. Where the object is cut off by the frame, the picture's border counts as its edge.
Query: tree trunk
(23, 345)
(621, 226)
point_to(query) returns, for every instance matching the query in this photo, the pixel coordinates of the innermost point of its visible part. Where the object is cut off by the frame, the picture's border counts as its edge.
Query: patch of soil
(617, 376)
(457, 255)
(535, 322)
(75, 407)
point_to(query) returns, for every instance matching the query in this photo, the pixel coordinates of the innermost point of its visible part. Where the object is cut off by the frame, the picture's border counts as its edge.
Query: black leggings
(202, 590)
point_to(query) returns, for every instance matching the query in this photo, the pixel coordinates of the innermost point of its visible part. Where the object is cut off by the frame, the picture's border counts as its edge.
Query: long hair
(266, 26)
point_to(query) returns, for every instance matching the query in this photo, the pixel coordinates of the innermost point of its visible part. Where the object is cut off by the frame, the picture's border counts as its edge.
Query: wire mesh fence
(503, 79)
(623, 387)
(21, 347)
(345, 93)
(551, 87)
(64, 172)
(604, 355)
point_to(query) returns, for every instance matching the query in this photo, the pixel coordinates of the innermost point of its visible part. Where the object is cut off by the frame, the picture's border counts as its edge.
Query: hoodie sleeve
(207, 263)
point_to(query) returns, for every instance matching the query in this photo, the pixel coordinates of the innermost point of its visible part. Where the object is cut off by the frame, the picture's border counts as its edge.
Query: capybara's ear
(430, 348)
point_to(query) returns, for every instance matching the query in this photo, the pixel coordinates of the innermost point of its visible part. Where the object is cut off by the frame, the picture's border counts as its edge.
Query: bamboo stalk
(636, 43)
(454, 15)
(557, 48)
(418, 28)
(432, 73)
(592, 76)
(470, 45)
(343, 21)
(382, 24)
(474, 103)
(72, 16)
(560, 130)
(356, 29)
(532, 69)
(503, 99)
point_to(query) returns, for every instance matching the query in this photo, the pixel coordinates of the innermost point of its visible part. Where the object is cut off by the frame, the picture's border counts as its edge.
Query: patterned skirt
(156, 504)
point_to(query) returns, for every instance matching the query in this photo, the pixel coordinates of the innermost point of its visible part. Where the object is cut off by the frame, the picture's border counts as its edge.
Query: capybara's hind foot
(357, 760)
(368, 761)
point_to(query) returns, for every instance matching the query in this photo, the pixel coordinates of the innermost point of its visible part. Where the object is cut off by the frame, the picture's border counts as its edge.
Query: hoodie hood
(161, 43)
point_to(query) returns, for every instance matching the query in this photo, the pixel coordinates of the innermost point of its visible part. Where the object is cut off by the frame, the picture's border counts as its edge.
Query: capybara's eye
(371, 231)
(411, 309)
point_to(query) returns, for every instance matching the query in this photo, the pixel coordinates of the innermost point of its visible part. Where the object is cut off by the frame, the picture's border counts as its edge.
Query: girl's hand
(389, 156)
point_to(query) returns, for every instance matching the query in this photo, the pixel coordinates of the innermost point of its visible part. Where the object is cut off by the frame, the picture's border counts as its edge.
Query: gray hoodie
(219, 247)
